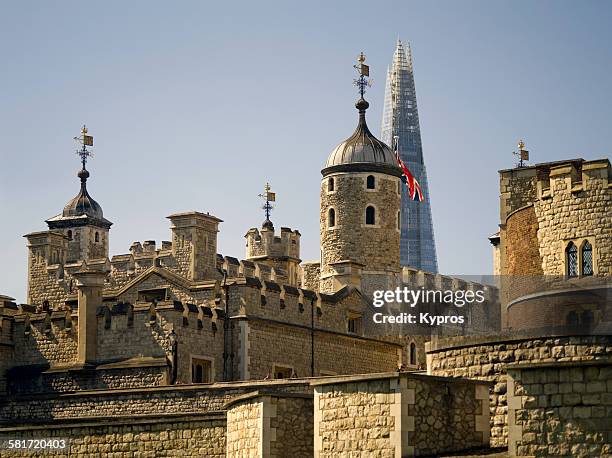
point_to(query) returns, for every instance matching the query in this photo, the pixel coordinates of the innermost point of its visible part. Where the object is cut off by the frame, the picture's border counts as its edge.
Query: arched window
(572, 260)
(413, 355)
(399, 221)
(331, 218)
(97, 237)
(370, 182)
(330, 184)
(370, 215)
(587, 259)
(69, 234)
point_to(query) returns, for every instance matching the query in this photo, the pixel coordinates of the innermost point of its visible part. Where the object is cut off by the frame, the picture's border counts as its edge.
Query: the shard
(401, 119)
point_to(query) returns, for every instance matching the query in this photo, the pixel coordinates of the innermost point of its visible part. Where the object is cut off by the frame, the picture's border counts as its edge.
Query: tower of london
(174, 349)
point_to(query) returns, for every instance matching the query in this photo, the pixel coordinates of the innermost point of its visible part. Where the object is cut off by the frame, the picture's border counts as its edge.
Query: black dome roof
(83, 204)
(80, 210)
(362, 150)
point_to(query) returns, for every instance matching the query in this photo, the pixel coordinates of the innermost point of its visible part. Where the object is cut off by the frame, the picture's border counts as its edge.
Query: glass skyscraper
(401, 119)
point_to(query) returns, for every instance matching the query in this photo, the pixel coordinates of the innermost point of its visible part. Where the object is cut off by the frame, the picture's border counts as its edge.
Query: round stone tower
(360, 213)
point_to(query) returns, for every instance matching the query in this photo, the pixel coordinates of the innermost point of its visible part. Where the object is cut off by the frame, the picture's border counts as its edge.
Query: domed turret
(362, 150)
(82, 220)
(360, 209)
(83, 204)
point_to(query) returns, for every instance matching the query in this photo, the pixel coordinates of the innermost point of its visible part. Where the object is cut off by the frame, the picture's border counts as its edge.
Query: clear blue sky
(194, 105)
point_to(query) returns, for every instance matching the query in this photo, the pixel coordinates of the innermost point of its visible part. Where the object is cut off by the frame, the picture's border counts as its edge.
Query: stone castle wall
(561, 409)
(522, 247)
(150, 401)
(244, 435)
(576, 207)
(333, 353)
(278, 316)
(160, 436)
(403, 415)
(571, 201)
(274, 425)
(487, 359)
(311, 271)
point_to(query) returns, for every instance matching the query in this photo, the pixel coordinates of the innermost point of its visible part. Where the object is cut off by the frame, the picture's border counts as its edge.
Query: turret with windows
(359, 219)
(83, 224)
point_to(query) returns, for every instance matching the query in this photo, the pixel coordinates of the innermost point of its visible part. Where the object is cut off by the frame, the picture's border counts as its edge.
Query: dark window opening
(201, 371)
(330, 185)
(97, 237)
(282, 372)
(572, 260)
(371, 182)
(354, 324)
(370, 215)
(69, 235)
(587, 259)
(331, 220)
(413, 358)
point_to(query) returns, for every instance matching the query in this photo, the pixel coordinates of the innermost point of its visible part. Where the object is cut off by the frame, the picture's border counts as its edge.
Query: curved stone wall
(522, 248)
(375, 246)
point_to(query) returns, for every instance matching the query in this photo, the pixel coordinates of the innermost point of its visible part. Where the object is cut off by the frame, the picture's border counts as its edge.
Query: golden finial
(364, 71)
(522, 154)
(84, 129)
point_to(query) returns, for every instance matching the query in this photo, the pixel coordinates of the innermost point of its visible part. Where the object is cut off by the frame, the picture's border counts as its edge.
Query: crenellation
(280, 253)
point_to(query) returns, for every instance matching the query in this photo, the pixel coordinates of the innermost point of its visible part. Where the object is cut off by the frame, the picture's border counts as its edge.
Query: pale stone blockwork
(398, 415)
(562, 409)
(487, 359)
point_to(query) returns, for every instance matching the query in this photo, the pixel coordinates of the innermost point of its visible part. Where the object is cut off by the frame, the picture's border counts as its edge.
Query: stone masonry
(561, 409)
(399, 415)
(487, 359)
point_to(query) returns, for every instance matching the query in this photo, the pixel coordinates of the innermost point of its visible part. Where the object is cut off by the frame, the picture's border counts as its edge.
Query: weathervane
(85, 140)
(268, 197)
(522, 154)
(364, 72)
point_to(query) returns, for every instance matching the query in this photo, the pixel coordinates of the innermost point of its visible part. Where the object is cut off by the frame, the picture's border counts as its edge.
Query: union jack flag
(414, 188)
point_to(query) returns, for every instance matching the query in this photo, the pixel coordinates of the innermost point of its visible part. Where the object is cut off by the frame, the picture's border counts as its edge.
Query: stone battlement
(420, 279)
(264, 243)
(520, 187)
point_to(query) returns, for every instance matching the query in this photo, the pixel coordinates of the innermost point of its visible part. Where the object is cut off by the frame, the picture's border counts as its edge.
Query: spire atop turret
(362, 82)
(268, 197)
(82, 207)
(362, 147)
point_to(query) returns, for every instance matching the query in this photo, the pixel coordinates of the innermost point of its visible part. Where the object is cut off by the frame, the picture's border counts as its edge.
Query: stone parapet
(486, 358)
(560, 409)
(190, 436)
(399, 414)
(270, 424)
